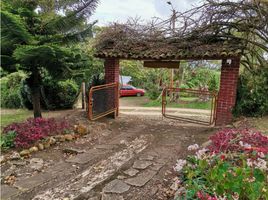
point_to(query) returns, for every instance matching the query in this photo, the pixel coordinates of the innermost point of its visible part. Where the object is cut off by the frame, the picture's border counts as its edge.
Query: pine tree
(35, 35)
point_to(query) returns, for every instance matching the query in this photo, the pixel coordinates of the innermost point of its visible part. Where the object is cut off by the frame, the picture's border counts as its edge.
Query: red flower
(223, 157)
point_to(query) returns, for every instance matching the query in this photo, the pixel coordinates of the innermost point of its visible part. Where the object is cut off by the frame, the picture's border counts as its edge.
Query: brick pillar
(111, 70)
(227, 93)
(111, 76)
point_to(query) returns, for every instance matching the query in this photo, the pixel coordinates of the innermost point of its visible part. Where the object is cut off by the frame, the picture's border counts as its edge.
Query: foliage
(7, 140)
(202, 77)
(228, 140)
(59, 94)
(233, 173)
(35, 129)
(252, 93)
(10, 90)
(35, 36)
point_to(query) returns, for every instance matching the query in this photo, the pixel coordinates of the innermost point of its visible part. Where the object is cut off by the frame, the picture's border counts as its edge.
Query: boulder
(25, 152)
(33, 149)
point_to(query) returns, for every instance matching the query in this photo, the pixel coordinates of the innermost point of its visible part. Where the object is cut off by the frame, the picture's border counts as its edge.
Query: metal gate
(170, 108)
(103, 100)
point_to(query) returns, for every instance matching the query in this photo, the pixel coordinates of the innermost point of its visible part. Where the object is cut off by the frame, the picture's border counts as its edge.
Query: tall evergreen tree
(35, 35)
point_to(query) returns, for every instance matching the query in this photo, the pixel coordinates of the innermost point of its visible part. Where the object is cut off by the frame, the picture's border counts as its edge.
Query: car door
(123, 91)
(131, 91)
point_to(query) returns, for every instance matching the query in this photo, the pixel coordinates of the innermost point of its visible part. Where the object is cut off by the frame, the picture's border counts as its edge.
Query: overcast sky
(120, 10)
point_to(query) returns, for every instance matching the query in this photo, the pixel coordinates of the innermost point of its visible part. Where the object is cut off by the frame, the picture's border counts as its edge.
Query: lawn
(186, 102)
(9, 116)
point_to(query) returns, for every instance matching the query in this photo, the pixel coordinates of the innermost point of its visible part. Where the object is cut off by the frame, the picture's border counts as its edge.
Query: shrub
(233, 167)
(61, 94)
(238, 140)
(7, 140)
(55, 94)
(252, 94)
(10, 90)
(35, 129)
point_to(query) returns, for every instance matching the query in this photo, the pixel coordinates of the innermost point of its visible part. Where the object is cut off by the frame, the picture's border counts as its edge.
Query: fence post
(83, 94)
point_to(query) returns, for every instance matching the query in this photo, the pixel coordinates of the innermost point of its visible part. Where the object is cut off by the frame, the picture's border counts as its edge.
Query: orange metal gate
(210, 117)
(103, 100)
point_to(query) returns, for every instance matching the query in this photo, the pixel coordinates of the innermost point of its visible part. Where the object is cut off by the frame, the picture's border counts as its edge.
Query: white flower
(193, 147)
(179, 165)
(245, 145)
(235, 196)
(200, 153)
(261, 155)
(261, 164)
(249, 162)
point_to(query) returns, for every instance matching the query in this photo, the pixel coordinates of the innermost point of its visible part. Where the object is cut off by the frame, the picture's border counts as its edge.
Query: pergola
(175, 50)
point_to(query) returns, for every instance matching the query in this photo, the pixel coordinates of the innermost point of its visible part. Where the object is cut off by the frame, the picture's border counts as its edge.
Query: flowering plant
(35, 129)
(222, 172)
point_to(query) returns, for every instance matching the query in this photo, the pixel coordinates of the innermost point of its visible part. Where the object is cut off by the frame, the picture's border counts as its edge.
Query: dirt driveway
(131, 157)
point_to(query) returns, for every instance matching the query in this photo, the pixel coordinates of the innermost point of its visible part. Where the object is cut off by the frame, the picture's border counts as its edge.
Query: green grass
(188, 102)
(9, 116)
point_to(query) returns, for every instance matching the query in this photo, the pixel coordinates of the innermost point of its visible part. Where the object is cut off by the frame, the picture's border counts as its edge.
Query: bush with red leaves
(235, 140)
(35, 129)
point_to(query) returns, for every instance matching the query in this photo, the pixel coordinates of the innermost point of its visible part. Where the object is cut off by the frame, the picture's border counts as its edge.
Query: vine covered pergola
(232, 32)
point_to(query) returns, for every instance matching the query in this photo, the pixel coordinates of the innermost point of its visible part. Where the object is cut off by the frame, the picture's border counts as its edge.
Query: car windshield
(128, 87)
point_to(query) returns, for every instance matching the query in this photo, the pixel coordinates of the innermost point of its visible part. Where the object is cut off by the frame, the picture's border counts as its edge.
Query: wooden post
(83, 88)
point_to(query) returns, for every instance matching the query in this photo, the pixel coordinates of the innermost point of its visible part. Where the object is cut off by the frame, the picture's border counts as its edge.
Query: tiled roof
(169, 51)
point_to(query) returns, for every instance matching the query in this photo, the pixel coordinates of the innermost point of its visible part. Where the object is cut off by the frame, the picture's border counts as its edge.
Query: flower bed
(233, 166)
(23, 135)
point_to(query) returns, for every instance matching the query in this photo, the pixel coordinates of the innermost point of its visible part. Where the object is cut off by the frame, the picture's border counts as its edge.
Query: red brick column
(111, 70)
(111, 76)
(227, 93)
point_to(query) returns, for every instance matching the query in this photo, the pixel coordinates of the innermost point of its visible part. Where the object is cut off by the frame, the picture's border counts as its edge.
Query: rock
(141, 179)
(52, 140)
(73, 150)
(121, 177)
(60, 138)
(131, 172)
(18, 162)
(141, 164)
(69, 137)
(111, 197)
(157, 166)
(40, 146)
(81, 129)
(94, 198)
(36, 164)
(25, 153)
(146, 157)
(116, 186)
(46, 145)
(15, 156)
(33, 149)
(2, 159)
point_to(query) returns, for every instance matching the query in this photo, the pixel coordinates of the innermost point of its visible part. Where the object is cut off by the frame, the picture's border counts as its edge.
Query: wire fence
(194, 106)
(103, 100)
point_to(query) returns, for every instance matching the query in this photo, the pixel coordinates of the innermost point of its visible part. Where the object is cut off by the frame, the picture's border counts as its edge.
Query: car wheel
(138, 94)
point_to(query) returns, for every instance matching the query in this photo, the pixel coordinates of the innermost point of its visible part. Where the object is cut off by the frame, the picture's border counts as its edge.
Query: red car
(129, 90)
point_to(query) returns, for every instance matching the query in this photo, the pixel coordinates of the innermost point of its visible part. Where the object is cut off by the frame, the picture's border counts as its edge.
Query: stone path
(131, 158)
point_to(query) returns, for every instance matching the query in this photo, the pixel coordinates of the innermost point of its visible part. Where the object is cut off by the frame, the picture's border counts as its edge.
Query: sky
(120, 10)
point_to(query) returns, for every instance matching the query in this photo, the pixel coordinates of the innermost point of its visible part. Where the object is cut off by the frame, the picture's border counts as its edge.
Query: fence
(103, 100)
(194, 106)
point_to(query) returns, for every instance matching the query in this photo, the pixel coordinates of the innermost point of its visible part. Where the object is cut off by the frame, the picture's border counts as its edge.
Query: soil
(108, 150)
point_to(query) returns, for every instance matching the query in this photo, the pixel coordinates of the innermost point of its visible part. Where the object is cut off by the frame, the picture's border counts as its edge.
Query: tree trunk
(35, 90)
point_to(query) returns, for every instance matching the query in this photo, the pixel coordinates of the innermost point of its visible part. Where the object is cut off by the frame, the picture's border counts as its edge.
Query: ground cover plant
(24, 134)
(233, 166)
